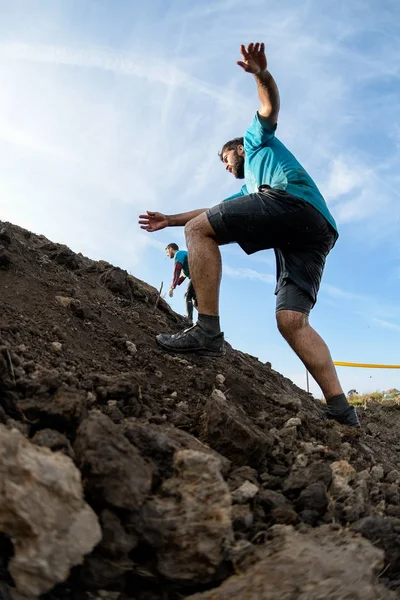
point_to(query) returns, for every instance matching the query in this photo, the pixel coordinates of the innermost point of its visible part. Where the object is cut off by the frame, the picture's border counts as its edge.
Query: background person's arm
(175, 279)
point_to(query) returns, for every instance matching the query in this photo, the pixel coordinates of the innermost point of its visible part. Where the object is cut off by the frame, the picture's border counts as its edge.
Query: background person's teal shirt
(269, 162)
(182, 257)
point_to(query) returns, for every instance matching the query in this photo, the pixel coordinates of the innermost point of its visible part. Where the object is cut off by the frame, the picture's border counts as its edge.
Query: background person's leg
(189, 302)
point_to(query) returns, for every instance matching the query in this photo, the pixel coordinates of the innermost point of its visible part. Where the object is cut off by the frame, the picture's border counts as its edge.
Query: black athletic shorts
(299, 234)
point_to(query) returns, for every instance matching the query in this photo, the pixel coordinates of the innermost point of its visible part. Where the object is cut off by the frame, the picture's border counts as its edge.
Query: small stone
(182, 405)
(173, 394)
(238, 476)
(364, 475)
(220, 379)
(346, 451)
(242, 517)
(269, 499)
(244, 493)
(64, 300)
(308, 447)
(377, 472)
(54, 440)
(293, 422)
(22, 348)
(300, 461)
(130, 346)
(373, 429)
(158, 374)
(393, 476)
(288, 436)
(91, 398)
(56, 347)
(158, 419)
(218, 395)
(112, 402)
(314, 498)
(342, 474)
(290, 402)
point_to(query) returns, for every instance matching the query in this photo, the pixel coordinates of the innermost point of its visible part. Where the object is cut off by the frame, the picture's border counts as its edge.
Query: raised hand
(254, 59)
(153, 221)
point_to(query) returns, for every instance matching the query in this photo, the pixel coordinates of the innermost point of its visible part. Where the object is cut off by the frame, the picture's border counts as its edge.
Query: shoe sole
(198, 351)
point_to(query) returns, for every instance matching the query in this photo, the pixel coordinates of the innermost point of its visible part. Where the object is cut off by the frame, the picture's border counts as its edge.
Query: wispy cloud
(386, 324)
(336, 292)
(243, 273)
(143, 66)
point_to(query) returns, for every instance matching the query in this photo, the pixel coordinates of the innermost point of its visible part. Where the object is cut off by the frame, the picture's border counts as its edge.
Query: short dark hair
(231, 145)
(173, 246)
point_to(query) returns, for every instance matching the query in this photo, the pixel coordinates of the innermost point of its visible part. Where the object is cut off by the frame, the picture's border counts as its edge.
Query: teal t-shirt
(182, 257)
(269, 162)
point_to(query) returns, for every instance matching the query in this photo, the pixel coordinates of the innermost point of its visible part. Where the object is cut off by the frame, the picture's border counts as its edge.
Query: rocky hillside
(130, 474)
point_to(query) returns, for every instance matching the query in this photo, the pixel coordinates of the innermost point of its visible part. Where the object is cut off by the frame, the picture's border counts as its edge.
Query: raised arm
(255, 62)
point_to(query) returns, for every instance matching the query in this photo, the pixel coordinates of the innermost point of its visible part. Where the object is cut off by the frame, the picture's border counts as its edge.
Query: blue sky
(109, 108)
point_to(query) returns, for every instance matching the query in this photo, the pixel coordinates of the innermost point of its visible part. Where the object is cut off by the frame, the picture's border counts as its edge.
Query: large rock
(43, 511)
(301, 478)
(384, 533)
(113, 470)
(62, 411)
(322, 565)
(160, 442)
(229, 430)
(189, 522)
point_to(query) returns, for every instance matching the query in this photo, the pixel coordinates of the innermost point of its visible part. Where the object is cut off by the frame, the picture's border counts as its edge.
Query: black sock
(209, 324)
(337, 404)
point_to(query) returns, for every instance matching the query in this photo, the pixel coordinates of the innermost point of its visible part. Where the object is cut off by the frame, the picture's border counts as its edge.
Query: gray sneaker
(193, 339)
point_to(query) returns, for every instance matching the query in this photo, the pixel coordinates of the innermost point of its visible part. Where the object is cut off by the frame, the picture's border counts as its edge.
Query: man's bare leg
(314, 353)
(204, 264)
(205, 271)
(311, 349)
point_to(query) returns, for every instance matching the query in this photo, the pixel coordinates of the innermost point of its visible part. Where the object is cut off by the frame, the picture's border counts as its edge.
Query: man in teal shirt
(279, 207)
(182, 266)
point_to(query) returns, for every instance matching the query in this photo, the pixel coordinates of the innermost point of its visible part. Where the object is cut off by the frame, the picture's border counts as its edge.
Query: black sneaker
(193, 339)
(347, 417)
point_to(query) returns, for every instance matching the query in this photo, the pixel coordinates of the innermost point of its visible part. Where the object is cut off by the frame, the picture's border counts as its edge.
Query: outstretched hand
(153, 221)
(254, 58)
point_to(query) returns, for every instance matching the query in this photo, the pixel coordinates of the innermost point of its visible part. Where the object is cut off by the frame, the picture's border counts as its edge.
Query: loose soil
(80, 371)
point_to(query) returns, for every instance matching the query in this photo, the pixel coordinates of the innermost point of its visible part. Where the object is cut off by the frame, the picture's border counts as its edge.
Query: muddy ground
(210, 478)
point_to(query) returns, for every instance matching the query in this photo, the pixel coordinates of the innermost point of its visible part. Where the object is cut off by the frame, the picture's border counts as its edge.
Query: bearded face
(238, 165)
(234, 162)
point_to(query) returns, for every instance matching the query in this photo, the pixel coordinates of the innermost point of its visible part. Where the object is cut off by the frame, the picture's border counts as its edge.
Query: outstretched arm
(255, 62)
(154, 221)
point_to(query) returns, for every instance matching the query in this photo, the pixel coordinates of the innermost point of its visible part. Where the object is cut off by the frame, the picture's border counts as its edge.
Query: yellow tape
(348, 364)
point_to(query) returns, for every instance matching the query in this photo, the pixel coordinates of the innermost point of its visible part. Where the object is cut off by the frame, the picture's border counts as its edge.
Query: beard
(238, 166)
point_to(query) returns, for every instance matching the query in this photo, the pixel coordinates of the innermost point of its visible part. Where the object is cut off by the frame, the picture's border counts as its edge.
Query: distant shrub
(361, 399)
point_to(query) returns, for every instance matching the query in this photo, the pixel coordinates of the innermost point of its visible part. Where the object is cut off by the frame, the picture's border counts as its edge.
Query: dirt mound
(199, 470)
